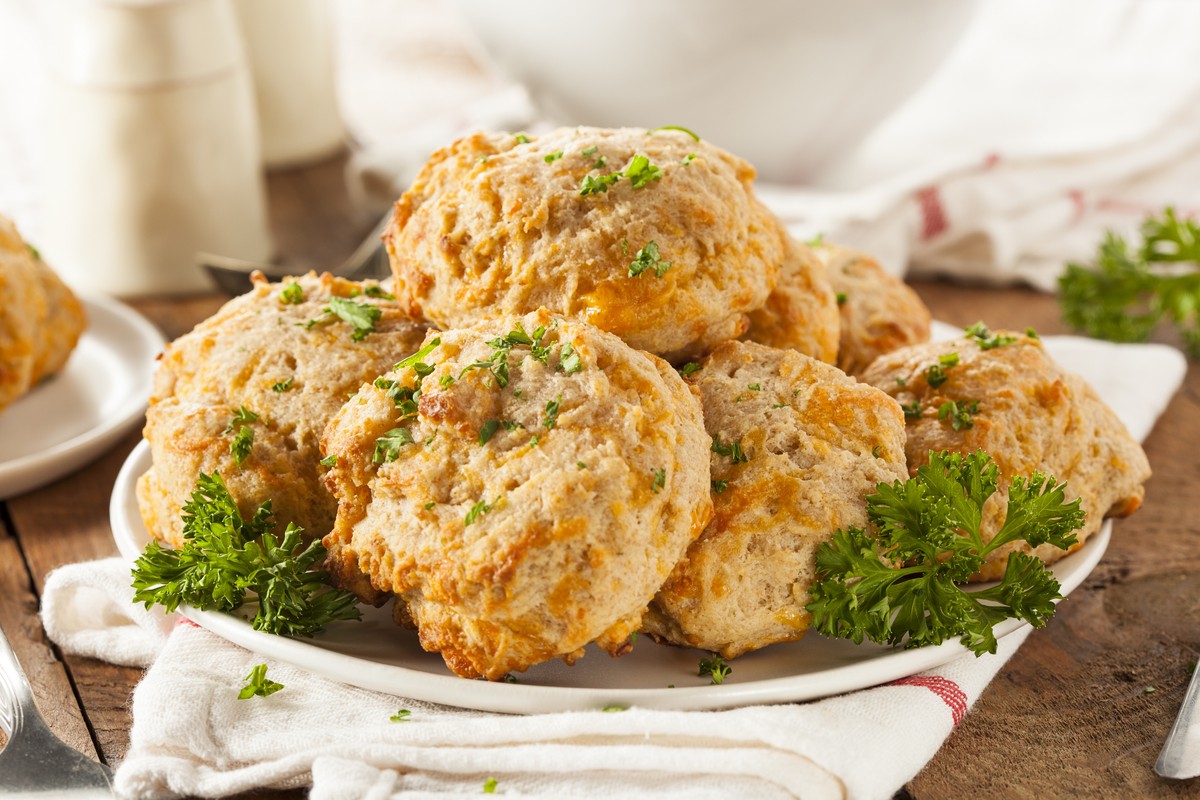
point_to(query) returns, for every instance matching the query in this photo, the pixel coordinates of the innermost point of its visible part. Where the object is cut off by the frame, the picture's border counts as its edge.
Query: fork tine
(35, 760)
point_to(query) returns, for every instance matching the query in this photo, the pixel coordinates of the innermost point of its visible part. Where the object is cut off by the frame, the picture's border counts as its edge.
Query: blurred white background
(1048, 123)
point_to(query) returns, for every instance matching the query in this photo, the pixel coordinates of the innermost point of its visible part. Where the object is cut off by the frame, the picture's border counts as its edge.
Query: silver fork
(35, 762)
(369, 260)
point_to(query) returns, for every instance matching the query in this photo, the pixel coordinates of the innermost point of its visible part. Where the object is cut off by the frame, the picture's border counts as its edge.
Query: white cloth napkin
(191, 736)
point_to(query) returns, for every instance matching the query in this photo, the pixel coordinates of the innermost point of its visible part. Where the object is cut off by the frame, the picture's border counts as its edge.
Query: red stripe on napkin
(186, 621)
(948, 690)
(933, 215)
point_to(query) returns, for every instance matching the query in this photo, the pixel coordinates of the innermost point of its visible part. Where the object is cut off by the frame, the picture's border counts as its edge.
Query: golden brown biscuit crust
(879, 312)
(1032, 416)
(815, 443)
(519, 519)
(802, 312)
(258, 352)
(41, 320)
(496, 224)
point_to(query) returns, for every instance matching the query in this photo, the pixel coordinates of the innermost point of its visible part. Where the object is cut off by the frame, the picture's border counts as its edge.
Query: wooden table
(1081, 710)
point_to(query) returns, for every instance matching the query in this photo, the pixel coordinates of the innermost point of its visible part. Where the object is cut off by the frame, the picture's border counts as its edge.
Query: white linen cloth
(192, 736)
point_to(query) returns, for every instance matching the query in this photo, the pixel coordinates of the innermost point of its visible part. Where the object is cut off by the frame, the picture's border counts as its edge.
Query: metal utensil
(1180, 756)
(35, 762)
(232, 275)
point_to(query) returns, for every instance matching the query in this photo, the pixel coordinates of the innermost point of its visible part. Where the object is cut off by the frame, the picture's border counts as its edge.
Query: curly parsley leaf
(901, 585)
(227, 561)
(715, 668)
(1129, 291)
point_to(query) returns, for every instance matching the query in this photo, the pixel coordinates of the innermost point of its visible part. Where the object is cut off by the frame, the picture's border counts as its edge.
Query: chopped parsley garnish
(33, 251)
(755, 387)
(715, 668)
(640, 171)
(400, 716)
(569, 360)
(675, 128)
(987, 340)
(550, 158)
(329, 460)
(225, 557)
(842, 297)
(292, 293)
(522, 138)
(418, 356)
(648, 258)
(533, 440)
(688, 159)
(489, 786)
(360, 316)
(589, 152)
(375, 290)
(899, 583)
(719, 486)
(660, 480)
(912, 410)
(732, 450)
(1031, 333)
(877, 451)
(387, 446)
(614, 708)
(552, 407)
(429, 506)
(241, 416)
(780, 405)
(283, 386)
(689, 369)
(258, 684)
(817, 240)
(478, 510)
(487, 431)
(597, 184)
(959, 414)
(445, 381)
(935, 375)
(243, 435)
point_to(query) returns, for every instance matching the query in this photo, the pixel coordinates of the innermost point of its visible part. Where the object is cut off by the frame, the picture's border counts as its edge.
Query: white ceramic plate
(79, 413)
(375, 654)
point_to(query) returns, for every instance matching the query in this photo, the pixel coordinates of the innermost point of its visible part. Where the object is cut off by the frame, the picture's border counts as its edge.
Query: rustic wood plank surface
(1081, 710)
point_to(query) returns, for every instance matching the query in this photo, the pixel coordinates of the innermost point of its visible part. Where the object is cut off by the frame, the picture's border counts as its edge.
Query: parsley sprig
(1130, 290)
(359, 316)
(901, 585)
(227, 561)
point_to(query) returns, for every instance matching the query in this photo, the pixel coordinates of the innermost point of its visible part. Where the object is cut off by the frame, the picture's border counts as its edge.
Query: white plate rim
(525, 698)
(29, 472)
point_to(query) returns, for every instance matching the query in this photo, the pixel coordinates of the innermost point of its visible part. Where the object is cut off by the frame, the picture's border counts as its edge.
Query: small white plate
(79, 413)
(376, 654)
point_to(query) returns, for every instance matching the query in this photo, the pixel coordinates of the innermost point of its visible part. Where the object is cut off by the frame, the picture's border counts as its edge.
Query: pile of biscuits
(604, 392)
(40, 319)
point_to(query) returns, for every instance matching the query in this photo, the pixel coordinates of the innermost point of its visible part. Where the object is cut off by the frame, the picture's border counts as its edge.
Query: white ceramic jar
(151, 145)
(291, 60)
